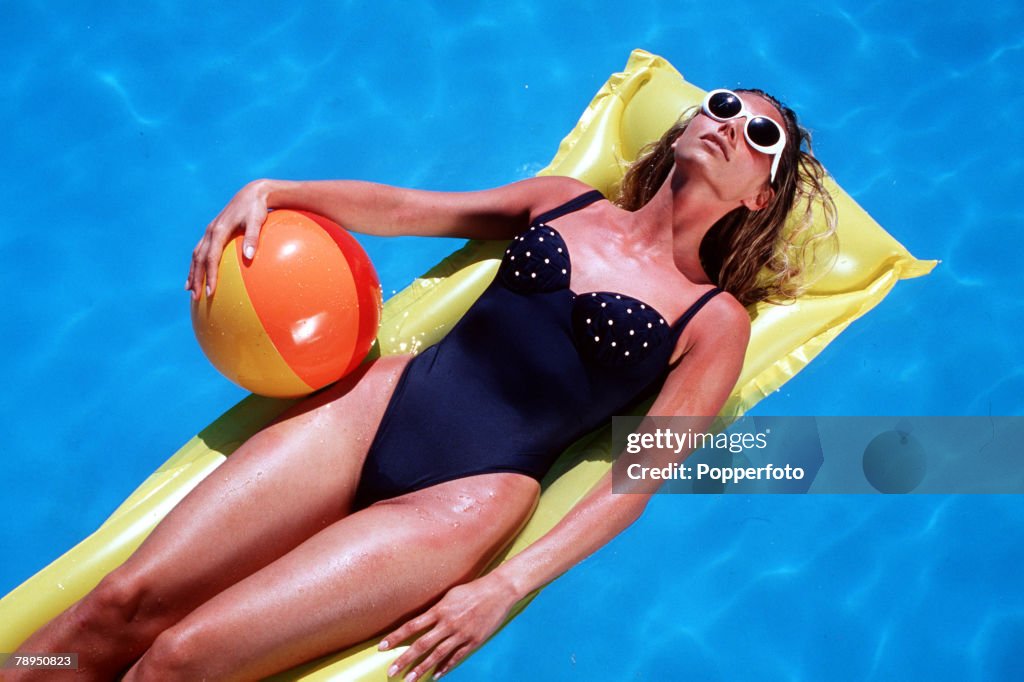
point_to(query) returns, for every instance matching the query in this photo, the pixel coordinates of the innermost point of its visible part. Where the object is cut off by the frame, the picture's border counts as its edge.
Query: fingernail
(437, 676)
(383, 645)
(208, 290)
(392, 670)
(411, 677)
(249, 251)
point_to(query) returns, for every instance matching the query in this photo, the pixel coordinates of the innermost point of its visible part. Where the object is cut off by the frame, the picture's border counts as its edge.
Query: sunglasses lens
(763, 131)
(725, 105)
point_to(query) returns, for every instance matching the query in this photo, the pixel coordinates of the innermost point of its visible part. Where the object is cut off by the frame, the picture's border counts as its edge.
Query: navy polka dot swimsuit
(530, 368)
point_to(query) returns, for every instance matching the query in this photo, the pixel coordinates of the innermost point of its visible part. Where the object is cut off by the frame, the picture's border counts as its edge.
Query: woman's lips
(718, 142)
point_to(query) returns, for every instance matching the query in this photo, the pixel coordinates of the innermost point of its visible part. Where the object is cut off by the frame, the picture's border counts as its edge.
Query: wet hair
(760, 255)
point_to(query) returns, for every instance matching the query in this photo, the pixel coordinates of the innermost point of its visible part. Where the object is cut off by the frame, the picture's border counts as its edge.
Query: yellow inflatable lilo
(632, 109)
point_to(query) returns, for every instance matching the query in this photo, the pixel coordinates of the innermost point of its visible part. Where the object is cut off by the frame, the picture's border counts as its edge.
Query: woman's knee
(121, 603)
(172, 656)
(112, 604)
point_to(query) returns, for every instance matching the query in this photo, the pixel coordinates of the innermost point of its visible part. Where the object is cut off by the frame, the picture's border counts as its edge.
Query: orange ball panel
(305, 296)
(232, 336)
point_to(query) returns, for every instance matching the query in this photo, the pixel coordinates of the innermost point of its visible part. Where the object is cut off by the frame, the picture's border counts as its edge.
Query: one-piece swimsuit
(531, 367)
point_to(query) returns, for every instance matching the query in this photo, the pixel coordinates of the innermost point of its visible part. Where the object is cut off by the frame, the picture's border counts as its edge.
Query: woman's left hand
(463, 620)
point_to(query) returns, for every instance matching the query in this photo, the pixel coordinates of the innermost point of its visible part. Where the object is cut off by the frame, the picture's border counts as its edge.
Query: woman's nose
(730, 128)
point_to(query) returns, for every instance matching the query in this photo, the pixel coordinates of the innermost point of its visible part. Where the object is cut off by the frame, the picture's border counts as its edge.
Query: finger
(212, 262)
(457, 656)
(192, 267)
(253, 225)
(419, 648)
(437, 656)
(199, 263)
(407, 630)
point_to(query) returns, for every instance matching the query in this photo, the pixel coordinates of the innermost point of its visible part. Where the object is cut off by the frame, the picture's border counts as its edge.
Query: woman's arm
(469, 614)
(383, 210)
(377, 209)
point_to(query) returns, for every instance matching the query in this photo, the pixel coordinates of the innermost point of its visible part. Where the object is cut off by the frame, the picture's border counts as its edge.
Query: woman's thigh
(287, 482)
(353, 579)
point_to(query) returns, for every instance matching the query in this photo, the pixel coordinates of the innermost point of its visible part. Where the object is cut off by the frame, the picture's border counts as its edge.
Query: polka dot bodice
(536, 261)
(609, 328)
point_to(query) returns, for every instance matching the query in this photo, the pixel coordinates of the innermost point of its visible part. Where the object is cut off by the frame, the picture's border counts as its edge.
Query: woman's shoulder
(549, 191)
(723, 317)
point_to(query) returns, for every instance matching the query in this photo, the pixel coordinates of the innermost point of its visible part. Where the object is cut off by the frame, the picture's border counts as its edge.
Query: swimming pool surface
(126, 126)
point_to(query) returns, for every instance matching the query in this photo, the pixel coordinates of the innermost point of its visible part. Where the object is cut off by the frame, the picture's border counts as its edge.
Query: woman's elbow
(629, 506)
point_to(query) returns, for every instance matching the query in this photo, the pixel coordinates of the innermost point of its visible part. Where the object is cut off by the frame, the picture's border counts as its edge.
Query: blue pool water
(126, 126)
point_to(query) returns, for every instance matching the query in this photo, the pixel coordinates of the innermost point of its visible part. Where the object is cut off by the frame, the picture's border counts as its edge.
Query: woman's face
(718, 152)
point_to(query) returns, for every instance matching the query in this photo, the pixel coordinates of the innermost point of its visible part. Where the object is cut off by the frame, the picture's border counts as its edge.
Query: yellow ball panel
(231, 335)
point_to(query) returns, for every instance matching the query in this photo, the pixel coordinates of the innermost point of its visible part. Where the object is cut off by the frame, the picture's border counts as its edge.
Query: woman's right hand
(245, 212)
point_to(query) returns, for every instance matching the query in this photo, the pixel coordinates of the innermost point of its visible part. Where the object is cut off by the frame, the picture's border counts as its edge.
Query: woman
(352, 515)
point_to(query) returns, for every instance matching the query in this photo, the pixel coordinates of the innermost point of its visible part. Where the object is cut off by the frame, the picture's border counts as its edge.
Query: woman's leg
(291, 480)
(351, 580)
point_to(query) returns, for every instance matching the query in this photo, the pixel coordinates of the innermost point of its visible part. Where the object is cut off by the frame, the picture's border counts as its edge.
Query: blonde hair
(758, 255)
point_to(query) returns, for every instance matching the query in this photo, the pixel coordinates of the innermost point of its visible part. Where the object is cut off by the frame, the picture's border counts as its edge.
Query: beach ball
(301, 315)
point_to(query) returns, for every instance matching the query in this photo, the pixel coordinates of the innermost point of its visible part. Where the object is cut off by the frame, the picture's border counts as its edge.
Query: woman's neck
(691, 211)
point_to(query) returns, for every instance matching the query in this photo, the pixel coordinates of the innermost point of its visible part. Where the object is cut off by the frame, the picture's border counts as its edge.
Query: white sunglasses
(761, 132)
